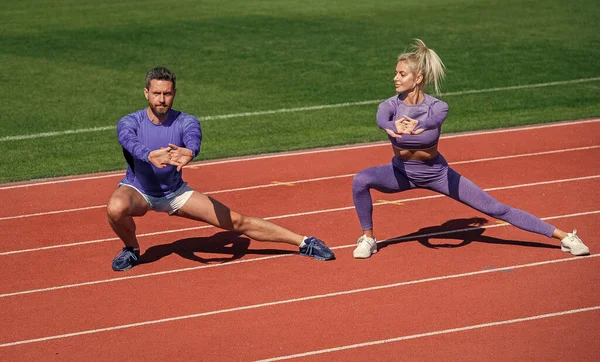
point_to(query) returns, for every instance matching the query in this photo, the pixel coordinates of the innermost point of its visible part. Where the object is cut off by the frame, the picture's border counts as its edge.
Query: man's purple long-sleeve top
(139, 136)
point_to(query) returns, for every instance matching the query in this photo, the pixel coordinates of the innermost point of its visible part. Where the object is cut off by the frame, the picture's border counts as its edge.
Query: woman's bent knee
(360, 182)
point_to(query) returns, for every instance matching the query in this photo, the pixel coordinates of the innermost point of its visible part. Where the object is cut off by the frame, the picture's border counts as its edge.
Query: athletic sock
(303, 244)
(132, 249)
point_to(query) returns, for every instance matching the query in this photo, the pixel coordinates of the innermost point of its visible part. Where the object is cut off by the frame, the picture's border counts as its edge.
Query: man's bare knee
(242, 223)
(117, 208)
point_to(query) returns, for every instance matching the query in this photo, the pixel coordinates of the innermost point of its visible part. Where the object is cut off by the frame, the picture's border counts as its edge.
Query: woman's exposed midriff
(416, 155)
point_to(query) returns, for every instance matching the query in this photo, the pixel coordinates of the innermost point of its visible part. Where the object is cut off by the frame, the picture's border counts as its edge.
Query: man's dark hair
(160, 73)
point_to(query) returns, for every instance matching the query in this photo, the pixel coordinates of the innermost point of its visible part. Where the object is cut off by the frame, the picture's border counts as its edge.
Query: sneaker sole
(319, 258)
(127, 268)
(568, 250)
(118, 270)
(364, 256)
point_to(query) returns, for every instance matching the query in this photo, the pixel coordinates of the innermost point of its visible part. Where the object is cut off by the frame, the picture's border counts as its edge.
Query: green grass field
(71, 65)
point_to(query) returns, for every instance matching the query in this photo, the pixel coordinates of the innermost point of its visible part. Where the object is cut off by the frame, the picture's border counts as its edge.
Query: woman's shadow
(464, 230)
(228, 243)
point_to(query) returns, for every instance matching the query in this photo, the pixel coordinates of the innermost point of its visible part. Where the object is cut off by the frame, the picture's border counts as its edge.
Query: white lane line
(295, 300)
(296, 153)
(61, 181)
(360, 103)
(172, 271)
(51, 212)
(306, 213)
(300, 109)
(283, 183)
(56, 133)
(541, 153)
(434, 333)
(387, 144)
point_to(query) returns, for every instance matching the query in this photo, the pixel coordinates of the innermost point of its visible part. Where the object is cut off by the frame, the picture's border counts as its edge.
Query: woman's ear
(419, 79)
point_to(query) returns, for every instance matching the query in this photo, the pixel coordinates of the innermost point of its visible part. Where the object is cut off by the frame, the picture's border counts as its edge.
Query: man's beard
(164, 110)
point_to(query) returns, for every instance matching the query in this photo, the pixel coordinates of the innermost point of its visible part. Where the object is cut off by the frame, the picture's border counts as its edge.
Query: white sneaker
(572, 243)
(365, 247)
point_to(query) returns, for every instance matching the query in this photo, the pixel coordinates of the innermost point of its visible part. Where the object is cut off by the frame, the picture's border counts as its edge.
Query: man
(157, 142)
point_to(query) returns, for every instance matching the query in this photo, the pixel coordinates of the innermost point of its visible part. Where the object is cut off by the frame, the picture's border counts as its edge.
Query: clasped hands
(404, 125)
(172, 155)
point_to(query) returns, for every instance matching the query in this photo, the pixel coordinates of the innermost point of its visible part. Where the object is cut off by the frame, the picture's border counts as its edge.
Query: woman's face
(404, 79)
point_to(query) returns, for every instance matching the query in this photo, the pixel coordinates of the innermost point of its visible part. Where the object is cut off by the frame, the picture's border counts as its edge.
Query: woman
(413, 122)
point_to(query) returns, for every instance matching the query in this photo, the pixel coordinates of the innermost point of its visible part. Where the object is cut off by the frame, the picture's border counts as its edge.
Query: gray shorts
(169, 203)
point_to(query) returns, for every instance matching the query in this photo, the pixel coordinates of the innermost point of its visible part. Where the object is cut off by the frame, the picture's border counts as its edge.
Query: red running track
(492, 293)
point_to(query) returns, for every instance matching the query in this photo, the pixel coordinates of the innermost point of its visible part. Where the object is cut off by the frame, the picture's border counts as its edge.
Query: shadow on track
(465, 231)
(229, 243)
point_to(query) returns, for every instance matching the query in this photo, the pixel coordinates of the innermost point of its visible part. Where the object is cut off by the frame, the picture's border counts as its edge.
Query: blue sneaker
(126, 259)
(317, 249)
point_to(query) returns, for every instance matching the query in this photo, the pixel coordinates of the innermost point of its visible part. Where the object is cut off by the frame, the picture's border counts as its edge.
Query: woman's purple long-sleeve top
(430, 113)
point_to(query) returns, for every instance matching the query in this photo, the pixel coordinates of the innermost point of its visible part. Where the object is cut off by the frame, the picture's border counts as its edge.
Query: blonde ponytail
(422, 60)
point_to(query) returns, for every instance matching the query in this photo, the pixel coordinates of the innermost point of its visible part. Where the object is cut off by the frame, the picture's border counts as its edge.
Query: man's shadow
(227, 243)
(464, 230)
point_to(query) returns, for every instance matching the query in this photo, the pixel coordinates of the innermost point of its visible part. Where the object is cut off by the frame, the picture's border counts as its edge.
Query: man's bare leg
(123, 205)
(203, 208)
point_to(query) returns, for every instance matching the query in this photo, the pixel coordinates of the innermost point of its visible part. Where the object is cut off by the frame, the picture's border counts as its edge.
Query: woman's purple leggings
(435, 175)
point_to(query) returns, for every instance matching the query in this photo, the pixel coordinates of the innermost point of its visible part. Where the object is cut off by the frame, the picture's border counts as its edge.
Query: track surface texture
(448, 282)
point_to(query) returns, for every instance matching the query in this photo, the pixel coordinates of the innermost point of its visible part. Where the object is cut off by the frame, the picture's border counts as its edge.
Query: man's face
(160, 96)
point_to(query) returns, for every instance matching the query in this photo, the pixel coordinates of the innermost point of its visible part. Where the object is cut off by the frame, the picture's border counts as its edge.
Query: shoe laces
(308, 247)
(126, 254)
(573, 237)
(364, 239)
